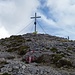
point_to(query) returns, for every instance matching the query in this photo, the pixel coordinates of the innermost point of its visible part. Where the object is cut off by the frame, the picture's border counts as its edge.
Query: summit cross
(35, 22)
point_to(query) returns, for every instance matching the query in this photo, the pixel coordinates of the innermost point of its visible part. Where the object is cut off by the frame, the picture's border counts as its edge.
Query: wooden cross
(35, 22)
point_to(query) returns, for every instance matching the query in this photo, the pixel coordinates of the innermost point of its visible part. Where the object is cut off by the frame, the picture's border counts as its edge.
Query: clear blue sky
(57, 17)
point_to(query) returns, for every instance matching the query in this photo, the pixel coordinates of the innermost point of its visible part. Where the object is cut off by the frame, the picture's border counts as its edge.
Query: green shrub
(47, 48)
(28, 40)
(3, 62)
(70, 48)
(11, 57)
(12, 49)
(56, 57)
(17, 39)
(64, 62)
(45, 58)
(20, 49)
(13, 37)
(35, 32)
(54, 49)
(40, 60)
(6, 74)
(59, 62)
(8, 46)
(23, 50)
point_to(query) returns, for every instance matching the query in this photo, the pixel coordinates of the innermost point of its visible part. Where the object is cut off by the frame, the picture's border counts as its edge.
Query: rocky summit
(37, 54)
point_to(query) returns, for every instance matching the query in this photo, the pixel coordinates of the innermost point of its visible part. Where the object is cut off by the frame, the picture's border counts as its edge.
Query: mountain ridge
(48, 50)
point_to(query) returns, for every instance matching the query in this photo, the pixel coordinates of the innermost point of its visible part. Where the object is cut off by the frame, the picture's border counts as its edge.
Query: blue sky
(57, 17)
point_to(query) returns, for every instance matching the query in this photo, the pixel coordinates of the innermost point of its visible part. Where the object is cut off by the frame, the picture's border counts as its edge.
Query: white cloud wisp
(15, 15)
(63, 12)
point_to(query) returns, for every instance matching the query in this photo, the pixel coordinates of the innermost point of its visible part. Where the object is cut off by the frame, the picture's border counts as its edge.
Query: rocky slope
(53, 55)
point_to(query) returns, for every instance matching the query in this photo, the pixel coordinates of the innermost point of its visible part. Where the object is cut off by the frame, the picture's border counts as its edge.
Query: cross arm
(36, 17)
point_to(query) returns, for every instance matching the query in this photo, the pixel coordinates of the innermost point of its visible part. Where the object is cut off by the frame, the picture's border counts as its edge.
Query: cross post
(35, 20)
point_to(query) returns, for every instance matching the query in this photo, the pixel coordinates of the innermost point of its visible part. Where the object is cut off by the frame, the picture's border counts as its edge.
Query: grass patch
(54, 49)
(3, 62)
(21, 49)
(6, 74)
